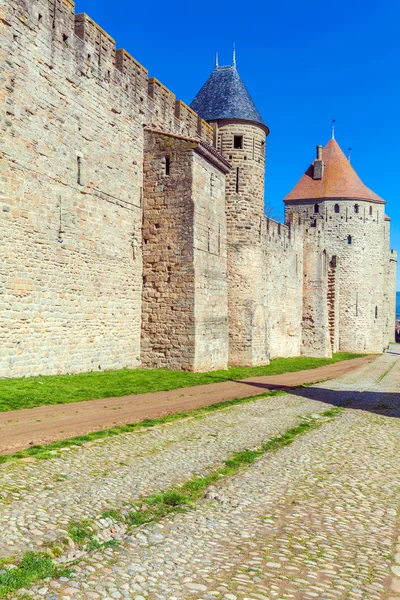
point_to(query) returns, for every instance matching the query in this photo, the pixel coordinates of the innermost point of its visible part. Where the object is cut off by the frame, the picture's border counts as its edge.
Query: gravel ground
(317, 519)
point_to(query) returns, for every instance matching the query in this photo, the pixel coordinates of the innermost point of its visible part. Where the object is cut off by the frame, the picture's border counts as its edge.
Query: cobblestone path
(318, 519)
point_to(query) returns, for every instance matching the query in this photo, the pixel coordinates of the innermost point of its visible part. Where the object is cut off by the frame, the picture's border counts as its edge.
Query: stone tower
(351, 223)
(240, 136)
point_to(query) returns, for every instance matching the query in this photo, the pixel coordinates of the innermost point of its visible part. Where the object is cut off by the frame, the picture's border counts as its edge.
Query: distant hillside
(398, 305)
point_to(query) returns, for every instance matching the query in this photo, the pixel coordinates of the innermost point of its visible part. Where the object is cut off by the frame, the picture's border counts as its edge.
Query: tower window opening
(316, 208)
(238, 142)
(376, 312)
(356, 208)
(337, 208)
(167, 165)
(237, 180)
(349, 239)
(370, 210)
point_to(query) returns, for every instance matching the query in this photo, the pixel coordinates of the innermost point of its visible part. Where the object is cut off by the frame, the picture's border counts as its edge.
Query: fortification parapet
(161, 105)
(187, 117)
(134, 71)
(205, 131)
(96, 53)
(103, 44)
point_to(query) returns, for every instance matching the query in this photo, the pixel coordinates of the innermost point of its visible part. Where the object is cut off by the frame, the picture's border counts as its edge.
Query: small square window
(238, 142)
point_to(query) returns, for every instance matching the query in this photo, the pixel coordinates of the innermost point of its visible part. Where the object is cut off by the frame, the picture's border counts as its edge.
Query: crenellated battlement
(103, 44)
(285, 234)
(98, 56)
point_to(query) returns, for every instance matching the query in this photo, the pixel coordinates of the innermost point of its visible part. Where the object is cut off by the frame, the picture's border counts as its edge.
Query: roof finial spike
(216, 60)
(349, 156)
(234, 56)
(333, 128)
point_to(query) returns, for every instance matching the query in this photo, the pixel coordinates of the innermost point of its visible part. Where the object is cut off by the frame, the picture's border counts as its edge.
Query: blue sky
(303, 63)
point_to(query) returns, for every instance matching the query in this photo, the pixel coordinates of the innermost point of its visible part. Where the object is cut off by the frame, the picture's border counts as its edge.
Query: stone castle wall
(184, 257)
(71, 184)
(283, 256)
(210, 266)
(71, 199)
(126, 239)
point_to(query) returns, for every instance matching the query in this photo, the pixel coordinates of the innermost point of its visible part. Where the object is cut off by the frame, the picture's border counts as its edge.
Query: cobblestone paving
(316, 520)
(39, 499)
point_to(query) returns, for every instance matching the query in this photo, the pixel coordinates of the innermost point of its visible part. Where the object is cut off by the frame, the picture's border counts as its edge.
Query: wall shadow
(382, 403)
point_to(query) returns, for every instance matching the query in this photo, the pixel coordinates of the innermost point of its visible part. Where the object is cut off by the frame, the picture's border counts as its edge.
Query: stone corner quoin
(133, 225)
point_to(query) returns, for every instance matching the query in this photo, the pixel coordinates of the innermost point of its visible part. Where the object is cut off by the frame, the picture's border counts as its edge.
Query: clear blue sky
(304, 63)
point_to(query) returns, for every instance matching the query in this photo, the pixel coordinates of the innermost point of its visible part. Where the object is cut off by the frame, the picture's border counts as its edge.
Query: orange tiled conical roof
(339, 180)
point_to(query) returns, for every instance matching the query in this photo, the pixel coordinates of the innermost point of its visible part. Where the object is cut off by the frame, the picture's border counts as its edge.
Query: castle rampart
(283, 257)
(71, 181)
(128, 239)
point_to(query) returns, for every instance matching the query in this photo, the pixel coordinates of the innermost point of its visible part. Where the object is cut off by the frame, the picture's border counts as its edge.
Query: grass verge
(48, 451)
(35, 567)
(382, 375)
(31, 392)
(178, 499)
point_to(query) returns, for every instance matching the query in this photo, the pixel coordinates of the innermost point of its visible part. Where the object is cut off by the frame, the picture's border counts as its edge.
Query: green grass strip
(49, 451)
(30, 392)
(382, 375)
(35, 567)
(178, 499)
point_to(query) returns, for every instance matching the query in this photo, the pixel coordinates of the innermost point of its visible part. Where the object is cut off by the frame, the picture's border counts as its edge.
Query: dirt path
(22, 428)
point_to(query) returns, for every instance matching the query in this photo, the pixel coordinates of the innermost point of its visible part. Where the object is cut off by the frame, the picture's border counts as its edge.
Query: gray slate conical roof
(224, 96)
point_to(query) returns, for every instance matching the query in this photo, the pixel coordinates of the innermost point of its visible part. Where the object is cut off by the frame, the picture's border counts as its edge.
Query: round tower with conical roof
(240, 136)
(350, 218)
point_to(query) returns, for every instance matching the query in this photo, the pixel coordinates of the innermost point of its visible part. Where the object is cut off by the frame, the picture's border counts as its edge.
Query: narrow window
(167, 165)
(349, 240)
(238, 142)
(376, 312)
(370, 210)
(219, 239)
(79, 163)
(356, 208)
(337, 208)
(237, 180)
(211, 184)
(316, 208)
(209, 240)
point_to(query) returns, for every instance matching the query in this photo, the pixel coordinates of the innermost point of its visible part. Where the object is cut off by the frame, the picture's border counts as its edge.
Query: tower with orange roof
(349, 222)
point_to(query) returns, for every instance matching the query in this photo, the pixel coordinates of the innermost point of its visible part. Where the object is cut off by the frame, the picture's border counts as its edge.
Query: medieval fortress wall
(132, 232)
(71, 184)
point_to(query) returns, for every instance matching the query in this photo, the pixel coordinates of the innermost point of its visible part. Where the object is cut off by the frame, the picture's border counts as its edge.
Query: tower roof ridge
(339, 180)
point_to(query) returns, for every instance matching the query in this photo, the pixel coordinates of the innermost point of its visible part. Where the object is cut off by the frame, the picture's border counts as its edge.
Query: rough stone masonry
(133, 229)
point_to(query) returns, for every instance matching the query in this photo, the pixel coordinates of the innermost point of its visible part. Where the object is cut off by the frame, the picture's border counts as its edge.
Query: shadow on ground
(382, 403)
